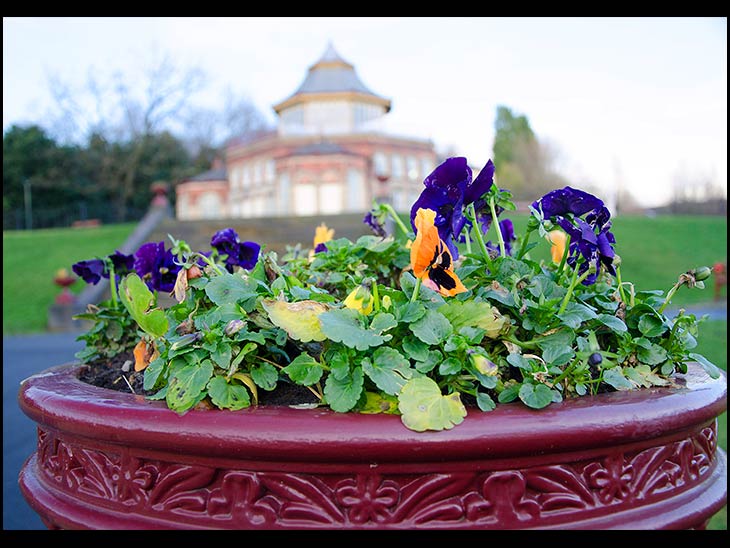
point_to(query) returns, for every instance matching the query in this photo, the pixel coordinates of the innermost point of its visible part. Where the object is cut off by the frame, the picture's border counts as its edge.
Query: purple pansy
(123, 264)
(449, 188)
(591, 237)
(567, 200)
(156, 266)
(238, 253)
(321, 248)
(376, 224)
(508, 235)
(90, 271)
(93, 270)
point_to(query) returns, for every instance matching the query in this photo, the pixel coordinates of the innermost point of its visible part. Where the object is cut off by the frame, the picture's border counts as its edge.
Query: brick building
(329, 154)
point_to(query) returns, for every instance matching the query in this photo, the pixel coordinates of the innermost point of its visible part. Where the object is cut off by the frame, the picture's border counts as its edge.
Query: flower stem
(620, 285)
(480, 240)
(575, 280)
(113, 284)
(416, 290)
(495, 221)
(397, 219)
(523, 245)
(671, 293)
(376, 296)
(467, 239)
(564, 258)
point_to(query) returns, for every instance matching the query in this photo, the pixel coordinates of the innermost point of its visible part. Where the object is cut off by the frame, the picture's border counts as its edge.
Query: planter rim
(56, 399)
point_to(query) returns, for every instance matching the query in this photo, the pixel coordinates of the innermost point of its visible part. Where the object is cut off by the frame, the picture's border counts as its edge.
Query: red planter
(644, 459)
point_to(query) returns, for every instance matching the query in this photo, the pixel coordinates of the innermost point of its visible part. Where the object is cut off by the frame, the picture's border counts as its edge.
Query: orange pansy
(431, 259)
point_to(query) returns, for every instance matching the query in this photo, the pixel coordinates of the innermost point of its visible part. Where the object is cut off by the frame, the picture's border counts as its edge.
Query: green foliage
(524, 332)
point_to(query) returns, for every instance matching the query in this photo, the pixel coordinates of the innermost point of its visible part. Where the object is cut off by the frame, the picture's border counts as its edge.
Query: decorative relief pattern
(259, 499)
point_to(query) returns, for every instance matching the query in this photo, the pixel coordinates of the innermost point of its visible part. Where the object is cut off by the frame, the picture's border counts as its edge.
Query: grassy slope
(30, 261)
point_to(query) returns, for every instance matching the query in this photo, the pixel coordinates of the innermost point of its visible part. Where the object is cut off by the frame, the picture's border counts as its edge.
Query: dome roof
(332, 74)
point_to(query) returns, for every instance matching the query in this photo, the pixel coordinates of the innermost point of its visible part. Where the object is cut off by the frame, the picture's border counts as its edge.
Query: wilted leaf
(300, 320)
(423, 407)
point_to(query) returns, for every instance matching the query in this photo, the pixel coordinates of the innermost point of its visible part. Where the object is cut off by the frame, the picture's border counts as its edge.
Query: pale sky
(630, 101)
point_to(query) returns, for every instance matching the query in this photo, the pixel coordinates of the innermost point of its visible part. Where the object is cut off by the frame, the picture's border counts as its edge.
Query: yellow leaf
(300, 320)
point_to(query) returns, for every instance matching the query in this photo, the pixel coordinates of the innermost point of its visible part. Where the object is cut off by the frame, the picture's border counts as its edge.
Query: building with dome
(329, 154)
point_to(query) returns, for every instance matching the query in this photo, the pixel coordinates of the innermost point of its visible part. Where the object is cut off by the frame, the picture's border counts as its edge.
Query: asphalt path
(24, 356)
(27, 355)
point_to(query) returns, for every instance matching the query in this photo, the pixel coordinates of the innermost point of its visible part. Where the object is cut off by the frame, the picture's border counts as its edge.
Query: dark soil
(111, 374)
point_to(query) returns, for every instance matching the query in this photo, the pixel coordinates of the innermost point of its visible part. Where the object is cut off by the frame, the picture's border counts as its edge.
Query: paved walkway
(26, 355)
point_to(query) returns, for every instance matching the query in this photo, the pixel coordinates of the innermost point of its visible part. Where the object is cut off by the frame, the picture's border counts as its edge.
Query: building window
(426, 167)
(305, 199)
(246, 176)
(284, 193)
(355, 193)
(330, 198)
(257, 175)
(412, 167)
(397, 166)
(380, 164)
(269, 171)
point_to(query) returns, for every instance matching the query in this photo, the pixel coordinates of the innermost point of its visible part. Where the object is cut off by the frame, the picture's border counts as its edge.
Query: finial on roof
(331, 57)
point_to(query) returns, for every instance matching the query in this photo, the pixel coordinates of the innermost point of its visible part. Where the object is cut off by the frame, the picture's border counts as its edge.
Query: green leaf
(432, 328)
(558, 354)
(222, 355)
(711, 369)
(152, 373)
(343, 325)
(415, 349)
(383, 321)
(304, 370)
(343, 394)
(651, 325)
(612, 322)
(575, 314)
(301, 320)
(652, 355)
(615, 378)
(138, 299)
(484, 402)
(227, 395)
(187, 384)
(411, 312)
(389, 370)
(230, 288)
(265, 376)
(450, 366)
(509, 394)
(517, 360)
(536, 396)
(423, 407)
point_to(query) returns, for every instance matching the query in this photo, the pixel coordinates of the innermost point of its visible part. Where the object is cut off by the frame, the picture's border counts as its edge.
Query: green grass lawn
(30, 261)
(655, 251)
(713, 345)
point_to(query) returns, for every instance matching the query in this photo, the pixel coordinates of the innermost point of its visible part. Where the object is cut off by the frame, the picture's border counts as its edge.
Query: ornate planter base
(628, 460)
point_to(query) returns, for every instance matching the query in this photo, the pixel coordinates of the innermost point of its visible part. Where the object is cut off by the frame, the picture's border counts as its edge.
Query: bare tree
(122, 109)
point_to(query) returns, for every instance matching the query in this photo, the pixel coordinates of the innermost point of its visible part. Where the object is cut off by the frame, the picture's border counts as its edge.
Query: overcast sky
(632, 101)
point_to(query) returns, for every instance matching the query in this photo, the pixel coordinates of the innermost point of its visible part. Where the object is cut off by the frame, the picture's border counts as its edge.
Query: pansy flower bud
(233, 327)
(484, 365)
(702, 273)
